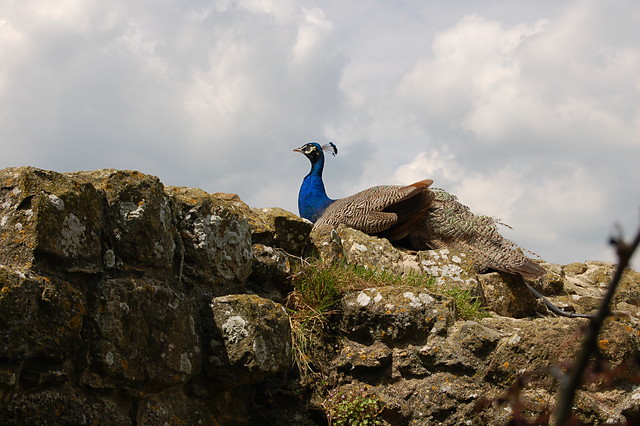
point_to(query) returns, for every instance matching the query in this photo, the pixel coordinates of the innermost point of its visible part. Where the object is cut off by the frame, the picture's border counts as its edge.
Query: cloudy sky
(528, 111)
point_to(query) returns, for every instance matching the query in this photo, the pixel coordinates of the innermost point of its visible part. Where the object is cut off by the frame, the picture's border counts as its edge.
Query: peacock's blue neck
(312, 198)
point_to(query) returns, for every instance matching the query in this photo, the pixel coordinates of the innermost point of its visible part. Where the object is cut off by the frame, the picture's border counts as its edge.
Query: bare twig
(569, 385)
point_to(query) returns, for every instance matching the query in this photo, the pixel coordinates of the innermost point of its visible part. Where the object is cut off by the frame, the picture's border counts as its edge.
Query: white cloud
(550, 213)
(311, 38)
(471, 188)
(165, 87)
(526, 113)
(534, 122)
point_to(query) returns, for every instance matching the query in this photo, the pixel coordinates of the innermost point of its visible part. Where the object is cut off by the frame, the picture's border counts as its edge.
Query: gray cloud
(529, 112)
(534, 122)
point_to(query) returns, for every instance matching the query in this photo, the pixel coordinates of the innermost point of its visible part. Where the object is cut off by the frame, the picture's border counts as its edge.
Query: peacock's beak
(298, 149)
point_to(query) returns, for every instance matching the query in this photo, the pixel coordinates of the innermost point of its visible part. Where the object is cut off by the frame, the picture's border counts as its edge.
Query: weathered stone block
(619, 340)
(61, 406)
(355, 357)
(39, 316)
(256, 338)
(139, 220)
(467, 346)
(591, 279)
(394, 315)
(529, 345)
(270, 275)
(507, 295)
(279, 228)
(357, 248)
(327, 244)
(49, 219)
(440, 398)
(142, 332)
(588, 279)
(362, 249)
(450, 268)
(173, 408)
(216, 240)
(553, 281)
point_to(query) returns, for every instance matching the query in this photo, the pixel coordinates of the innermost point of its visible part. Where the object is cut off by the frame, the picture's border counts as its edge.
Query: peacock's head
(314, 151)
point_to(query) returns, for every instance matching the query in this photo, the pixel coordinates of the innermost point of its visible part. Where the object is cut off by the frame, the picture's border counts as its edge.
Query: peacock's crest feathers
(331, 148)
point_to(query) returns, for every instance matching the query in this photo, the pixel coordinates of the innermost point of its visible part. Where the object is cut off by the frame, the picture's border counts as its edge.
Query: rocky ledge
(124, 301)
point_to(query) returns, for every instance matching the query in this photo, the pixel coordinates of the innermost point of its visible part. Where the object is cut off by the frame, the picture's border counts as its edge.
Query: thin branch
(570, 384)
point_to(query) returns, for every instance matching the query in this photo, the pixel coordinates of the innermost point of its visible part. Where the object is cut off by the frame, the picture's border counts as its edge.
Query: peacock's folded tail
(451, 224)
(390, 211)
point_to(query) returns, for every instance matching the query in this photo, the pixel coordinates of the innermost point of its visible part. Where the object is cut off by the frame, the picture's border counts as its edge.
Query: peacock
(415, 216)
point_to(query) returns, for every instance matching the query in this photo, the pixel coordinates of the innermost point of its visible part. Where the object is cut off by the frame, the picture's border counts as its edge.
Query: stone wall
(123, 301)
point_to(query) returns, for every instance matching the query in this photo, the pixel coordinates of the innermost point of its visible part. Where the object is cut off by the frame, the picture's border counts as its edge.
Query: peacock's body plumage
(414, 216)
